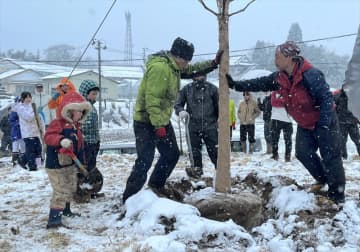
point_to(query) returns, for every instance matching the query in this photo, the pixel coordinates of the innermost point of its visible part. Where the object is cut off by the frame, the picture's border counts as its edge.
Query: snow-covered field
(298, 222)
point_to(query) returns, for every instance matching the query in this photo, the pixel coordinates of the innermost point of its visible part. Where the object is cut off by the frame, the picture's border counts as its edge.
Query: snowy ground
(297, 223)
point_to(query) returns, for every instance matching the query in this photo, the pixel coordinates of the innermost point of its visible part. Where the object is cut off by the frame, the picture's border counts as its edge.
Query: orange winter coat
(54, 104)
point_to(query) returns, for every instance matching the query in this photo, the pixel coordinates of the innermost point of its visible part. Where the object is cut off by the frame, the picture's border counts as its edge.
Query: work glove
(55, 96)
(66, 143)
(233, 126)
(217, 59)
(161, 132)
(230, 81)
(183, 115)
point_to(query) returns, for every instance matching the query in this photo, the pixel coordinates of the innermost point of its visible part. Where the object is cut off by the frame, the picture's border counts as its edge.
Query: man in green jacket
(154, 106)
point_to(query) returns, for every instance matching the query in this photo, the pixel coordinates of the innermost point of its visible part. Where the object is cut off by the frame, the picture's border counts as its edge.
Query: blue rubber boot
(54, 218)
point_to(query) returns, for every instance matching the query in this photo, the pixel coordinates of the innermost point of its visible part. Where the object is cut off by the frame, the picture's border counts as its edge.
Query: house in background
(17, 76)
(128, 78)
(19, 80)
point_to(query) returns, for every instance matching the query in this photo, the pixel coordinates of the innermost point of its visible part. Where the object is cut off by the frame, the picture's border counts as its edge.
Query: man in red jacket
(307, 98)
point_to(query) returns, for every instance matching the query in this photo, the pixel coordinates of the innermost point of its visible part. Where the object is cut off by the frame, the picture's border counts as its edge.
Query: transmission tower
(128, 40)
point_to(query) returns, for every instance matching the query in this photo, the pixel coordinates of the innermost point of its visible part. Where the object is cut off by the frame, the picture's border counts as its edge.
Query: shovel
(190, 171)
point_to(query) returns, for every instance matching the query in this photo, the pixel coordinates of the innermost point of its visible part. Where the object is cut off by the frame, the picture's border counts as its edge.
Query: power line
(201, 54)
(299, 42)
(92, 38)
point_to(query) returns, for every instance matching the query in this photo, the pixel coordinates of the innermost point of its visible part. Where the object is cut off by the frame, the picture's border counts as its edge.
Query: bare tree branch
(243, 9)
(207, 8)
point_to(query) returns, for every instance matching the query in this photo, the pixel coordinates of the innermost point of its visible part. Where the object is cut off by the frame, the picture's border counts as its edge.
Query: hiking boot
(54, 219)
(68, 213)
(194, 172)
(287, 158)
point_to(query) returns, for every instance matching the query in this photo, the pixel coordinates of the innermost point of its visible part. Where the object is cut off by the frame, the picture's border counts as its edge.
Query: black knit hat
(182, 48)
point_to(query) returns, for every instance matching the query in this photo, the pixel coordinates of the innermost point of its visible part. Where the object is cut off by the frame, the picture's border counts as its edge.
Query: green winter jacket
(159, 88)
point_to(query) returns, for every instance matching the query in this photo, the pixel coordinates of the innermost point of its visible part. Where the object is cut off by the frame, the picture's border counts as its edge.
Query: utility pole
(128, 40)
(98, 44)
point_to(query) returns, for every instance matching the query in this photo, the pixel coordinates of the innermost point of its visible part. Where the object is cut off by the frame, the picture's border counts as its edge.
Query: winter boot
(54, 218)
(21, 162)
(287, 157)
(67, 212)
(268, 148)
(243, 147)
(14, 158)
(275, 156)
(251, 148)
(336, 194)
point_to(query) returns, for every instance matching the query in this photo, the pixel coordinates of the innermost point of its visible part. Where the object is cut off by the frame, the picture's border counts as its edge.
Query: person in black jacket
(6, 138)
(265, 107)
(308, 100)
(201, 99)
(348, 122)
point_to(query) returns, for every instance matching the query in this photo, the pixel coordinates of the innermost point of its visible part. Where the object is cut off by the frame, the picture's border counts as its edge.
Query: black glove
(230, 81)
(217, 59)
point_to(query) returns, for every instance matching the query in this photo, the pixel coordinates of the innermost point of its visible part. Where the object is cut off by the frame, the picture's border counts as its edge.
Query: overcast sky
(38, 24)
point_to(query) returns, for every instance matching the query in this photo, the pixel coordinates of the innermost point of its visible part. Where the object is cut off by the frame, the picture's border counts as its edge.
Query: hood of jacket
(74, 101)
(65, 81)
(86, 86)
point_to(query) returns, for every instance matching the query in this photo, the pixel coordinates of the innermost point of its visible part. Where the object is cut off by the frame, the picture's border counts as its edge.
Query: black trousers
(210, 138)
(32, 151)
(247, 131)
(91, 151)
(146, 142)
(287, 129)
(353, 131)
(267, 131)
(329, 168)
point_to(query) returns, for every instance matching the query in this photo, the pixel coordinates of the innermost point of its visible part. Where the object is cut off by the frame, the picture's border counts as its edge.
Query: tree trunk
(223, 180)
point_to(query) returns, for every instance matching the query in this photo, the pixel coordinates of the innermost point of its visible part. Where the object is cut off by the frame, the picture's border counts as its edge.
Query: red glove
(161, 132)
(68, 152)
(233, 125)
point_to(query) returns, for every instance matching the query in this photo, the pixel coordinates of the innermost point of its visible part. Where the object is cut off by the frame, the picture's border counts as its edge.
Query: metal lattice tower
(128, 40)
